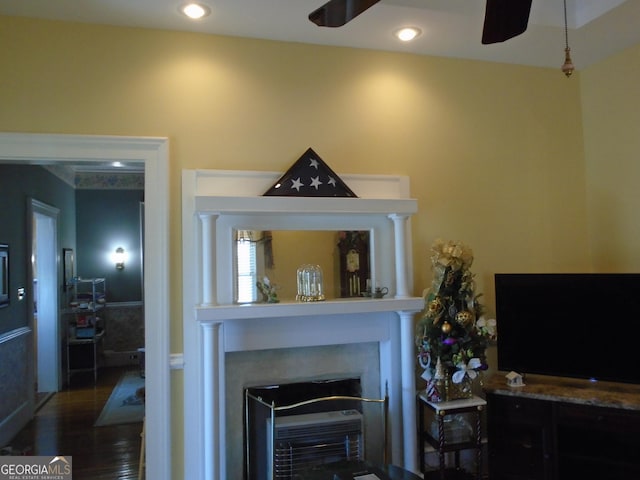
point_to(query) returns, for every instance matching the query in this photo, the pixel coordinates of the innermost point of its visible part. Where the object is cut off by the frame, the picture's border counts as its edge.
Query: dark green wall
(106, 220)
(91, 222)
(19, 183)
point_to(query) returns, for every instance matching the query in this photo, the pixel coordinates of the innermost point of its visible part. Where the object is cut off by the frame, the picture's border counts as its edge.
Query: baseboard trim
(15, 422)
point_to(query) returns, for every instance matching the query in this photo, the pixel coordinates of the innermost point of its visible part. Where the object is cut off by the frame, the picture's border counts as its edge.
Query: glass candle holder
(310, 283)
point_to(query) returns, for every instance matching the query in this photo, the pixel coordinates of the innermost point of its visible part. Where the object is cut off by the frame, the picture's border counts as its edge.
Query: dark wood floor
(64, 426)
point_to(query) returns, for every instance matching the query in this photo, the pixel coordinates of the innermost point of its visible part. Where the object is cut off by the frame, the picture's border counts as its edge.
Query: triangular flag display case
(309, 176)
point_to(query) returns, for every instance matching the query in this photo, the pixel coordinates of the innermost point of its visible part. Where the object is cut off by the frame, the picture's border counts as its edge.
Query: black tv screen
(569, 325)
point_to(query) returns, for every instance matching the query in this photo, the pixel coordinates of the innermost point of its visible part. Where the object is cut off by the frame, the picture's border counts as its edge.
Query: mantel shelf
(220, 313)
(303, 205)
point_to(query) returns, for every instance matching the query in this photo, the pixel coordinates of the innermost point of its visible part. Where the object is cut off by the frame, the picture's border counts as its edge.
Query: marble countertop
(570, 390)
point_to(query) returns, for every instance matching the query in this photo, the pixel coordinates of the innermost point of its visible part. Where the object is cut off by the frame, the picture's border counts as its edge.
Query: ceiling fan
(504, 19)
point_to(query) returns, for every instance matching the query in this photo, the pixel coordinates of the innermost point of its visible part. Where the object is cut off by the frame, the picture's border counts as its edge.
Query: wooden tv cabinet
(556, 428)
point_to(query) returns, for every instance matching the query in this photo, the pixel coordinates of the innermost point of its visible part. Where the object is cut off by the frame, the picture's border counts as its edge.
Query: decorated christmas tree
(452, 334)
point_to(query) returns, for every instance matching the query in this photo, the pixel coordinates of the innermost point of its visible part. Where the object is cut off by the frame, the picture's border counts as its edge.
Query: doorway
(153, 153)
(44, 294)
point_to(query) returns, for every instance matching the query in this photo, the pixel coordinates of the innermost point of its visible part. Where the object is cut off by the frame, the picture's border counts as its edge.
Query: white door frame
(153, 153)
(46, 322)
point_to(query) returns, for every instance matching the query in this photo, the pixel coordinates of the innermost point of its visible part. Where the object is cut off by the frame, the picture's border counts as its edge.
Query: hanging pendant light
(567, 66)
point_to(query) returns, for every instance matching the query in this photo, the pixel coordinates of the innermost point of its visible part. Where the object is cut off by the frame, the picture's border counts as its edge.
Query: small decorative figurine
(269, 294)
(514, 379)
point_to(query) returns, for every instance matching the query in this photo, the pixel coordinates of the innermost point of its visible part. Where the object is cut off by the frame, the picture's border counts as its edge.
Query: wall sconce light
(119, 258)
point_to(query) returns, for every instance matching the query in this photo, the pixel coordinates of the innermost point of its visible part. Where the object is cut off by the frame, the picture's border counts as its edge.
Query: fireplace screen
(283, 441)
(299, 442)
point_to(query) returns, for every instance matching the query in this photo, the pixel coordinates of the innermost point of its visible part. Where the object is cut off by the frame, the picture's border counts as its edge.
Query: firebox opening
(310, 434)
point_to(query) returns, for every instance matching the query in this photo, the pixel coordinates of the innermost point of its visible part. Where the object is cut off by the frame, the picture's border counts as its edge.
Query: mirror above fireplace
(343, 256)
(386, 220)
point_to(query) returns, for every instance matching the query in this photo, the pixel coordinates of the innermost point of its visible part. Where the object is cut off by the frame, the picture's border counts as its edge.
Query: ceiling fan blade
(336, 13)
(505, 19)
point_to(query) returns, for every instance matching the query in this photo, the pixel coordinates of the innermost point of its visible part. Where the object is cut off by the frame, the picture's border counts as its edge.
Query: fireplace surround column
(407, 346)
(408, 391)
(208, 224)
(401, 260)
(213, 400)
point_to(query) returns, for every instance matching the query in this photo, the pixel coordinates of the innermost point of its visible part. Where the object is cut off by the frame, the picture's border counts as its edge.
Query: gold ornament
(464, 317)
(446, 327)
(435, 306)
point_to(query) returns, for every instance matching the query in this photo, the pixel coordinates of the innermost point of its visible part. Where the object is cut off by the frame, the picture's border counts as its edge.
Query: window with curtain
(247, 268)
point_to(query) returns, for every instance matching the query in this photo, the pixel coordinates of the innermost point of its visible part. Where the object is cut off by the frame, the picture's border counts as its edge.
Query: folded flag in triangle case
(309, 176)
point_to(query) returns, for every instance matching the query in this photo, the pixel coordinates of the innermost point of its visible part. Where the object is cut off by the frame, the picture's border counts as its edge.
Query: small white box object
(514, 379)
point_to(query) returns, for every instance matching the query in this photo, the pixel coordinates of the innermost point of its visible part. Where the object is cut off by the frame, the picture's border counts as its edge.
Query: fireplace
(231, 347)
(295, 426)
(302, 442)
(329, 368)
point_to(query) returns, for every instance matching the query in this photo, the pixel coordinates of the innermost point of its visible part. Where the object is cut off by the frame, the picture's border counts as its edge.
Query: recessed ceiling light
(194, 10)
(406, 34)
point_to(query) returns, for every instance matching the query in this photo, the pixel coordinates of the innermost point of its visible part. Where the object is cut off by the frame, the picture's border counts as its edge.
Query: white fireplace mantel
(291, 325)
(214, 326)
(220, 313)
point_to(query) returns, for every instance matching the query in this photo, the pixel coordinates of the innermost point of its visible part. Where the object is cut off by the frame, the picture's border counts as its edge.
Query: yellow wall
(611, 118)
(494, 152)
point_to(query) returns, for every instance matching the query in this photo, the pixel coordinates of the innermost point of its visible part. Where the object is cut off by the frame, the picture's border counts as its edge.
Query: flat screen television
(569, 325)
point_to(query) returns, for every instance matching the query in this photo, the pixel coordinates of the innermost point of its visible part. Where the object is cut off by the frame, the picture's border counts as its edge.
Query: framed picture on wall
(67, 265)
(4, 275)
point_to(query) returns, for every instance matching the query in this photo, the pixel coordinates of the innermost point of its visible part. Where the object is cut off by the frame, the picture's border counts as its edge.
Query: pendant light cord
(566, 33)
(567, 67)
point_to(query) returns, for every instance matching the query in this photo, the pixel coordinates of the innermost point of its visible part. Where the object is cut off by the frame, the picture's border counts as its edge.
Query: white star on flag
(297, 184)
(332, 181)
(314, 163)
(315, 182)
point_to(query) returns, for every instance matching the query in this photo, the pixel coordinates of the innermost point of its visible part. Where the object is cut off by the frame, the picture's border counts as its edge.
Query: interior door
(44, 281)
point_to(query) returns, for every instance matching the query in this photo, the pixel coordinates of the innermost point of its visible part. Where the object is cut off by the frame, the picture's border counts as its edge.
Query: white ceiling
(451, 28)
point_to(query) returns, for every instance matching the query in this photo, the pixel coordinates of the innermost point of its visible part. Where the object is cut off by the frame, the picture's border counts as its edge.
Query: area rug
(123, 406)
